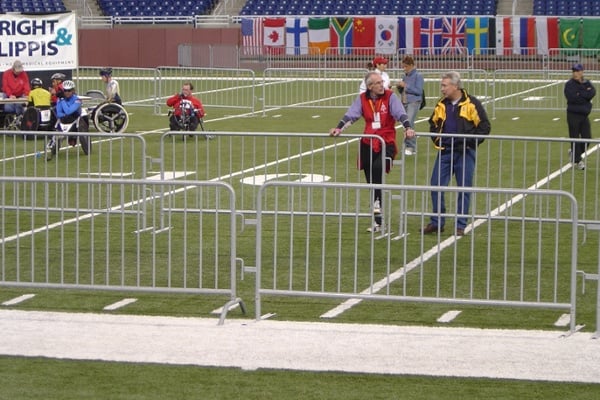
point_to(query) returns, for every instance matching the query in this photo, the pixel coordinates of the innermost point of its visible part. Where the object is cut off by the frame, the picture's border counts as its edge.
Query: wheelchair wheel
(85, 141)
(12, 122)
(30, 121)
(110, 118)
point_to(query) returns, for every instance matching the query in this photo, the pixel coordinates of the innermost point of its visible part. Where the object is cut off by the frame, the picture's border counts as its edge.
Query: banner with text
(41, 42)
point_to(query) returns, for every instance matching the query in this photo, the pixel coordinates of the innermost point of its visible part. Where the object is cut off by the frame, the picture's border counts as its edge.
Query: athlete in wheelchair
(38, 116)
(71, 118)
(187, 112)
(109, 116)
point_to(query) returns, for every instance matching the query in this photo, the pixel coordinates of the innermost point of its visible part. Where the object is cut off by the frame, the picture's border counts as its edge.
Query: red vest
(387, 130)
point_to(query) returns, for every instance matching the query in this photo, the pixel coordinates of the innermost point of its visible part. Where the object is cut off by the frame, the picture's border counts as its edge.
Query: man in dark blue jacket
(579, 93)
(457, 112)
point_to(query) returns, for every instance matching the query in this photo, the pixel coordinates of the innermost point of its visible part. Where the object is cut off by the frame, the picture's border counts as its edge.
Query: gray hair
(369, 77)
(453, 77)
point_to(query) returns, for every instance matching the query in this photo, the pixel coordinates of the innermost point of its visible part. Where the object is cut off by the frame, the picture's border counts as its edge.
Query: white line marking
(563, 320)
(170, 175)
(448, 316)
(18, 300)
(119, 304)
(110, 174)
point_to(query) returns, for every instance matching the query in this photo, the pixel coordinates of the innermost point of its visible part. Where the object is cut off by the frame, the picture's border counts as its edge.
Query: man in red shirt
(15, 84)
(187, 109)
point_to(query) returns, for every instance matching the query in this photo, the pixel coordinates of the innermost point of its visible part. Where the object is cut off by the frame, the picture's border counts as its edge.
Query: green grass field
(190, 382)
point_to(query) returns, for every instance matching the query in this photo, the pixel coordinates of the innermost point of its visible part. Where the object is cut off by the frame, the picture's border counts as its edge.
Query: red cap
(380, 60)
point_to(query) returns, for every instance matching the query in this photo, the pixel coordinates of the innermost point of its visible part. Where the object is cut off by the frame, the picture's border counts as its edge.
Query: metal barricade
(310, 249)
(86, 234)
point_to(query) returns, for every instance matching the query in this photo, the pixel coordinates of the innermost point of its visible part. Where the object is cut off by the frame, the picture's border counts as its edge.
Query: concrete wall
(145, 47)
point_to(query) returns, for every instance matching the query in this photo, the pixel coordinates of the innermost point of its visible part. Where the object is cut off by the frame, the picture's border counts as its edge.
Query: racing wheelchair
(67, 126)
(187, 119)
(37, 119)
(107, 117)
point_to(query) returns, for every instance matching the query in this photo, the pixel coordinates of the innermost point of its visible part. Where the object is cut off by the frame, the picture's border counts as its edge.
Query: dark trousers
(372, 164)
(579, 127)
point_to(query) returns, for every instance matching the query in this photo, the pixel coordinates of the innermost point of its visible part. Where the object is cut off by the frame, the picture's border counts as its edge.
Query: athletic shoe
(581, 165)
(377, 208)
(208, 136)
(409, 151)
(376, 228)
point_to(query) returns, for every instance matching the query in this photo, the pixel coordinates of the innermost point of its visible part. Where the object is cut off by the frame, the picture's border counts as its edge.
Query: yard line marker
(563, 320)
(170, 175)
(109, 174)
(18, 300)
(448, 316)
(119, 304)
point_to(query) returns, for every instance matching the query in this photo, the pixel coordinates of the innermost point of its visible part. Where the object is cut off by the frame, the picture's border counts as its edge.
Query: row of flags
(417, 35)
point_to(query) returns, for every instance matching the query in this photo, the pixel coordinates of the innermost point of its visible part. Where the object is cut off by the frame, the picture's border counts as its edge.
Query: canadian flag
(274, 32)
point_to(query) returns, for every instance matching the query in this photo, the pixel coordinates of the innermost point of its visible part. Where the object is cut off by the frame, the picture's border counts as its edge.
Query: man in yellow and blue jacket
(457, 112)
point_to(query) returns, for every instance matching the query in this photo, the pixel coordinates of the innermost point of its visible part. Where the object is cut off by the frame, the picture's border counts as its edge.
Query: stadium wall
(146, 47)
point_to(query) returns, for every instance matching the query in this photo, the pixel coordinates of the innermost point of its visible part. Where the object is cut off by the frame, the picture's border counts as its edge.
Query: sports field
(314, 117)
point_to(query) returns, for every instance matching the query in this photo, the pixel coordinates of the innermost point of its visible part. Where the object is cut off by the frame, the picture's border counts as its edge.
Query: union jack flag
(431, 35)
(453, 37)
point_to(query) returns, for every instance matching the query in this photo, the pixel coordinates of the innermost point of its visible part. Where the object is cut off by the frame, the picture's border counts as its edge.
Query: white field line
(19, 299)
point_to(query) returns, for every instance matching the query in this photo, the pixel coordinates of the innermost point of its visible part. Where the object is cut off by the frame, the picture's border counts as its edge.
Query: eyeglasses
(67, 90)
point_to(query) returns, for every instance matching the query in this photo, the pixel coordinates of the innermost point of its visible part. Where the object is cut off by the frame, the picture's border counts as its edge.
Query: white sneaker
(581, 165)
(376, 228)
(409, 151)
(376, 207)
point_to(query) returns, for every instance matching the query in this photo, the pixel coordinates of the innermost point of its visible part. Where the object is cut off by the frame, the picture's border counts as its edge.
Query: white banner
(41, 42)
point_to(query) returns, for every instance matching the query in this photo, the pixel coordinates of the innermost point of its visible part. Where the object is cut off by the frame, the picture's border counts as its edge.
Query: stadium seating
(370, 7)
(32, 6)
(153, 8)
(566, 7)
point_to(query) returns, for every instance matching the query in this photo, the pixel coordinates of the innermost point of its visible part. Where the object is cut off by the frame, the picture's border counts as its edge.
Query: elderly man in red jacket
(15, 84)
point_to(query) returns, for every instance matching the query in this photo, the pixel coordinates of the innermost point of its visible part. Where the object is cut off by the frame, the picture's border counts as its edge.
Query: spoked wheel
(110, 118)
(12, 122)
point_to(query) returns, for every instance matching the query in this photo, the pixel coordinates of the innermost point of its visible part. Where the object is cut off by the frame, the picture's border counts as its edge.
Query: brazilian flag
(570, 33)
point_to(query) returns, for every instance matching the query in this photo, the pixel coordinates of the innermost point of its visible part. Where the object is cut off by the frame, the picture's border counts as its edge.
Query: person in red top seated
(56, 90)
(185, 102)
(15, 84)
(380, 109)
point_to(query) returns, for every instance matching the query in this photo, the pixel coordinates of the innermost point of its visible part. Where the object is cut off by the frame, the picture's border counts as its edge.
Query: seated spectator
(15, 84)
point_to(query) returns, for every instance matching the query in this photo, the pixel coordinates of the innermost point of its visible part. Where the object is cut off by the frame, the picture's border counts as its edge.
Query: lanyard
(377, 106)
